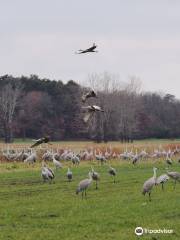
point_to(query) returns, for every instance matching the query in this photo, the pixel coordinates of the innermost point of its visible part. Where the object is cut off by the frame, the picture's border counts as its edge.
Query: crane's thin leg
(82, 194)
(174, 184)
(85, 193)
(114, 179)
(162, 186)
(150, 196)
(96, 185)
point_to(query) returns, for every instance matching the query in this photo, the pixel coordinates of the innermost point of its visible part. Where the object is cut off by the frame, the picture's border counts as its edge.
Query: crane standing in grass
(31, 159)
(83, 185)
(69, 175)
(149, 184)
(175, 176)
(169, 160)
(95, 176)
(56, 163)
(162, 180)
(47, 173)
(112, 172)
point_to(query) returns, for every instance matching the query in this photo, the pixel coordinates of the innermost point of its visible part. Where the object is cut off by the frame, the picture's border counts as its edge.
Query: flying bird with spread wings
(88, 50)
(90, 112)
(87, 95)
(40, 141)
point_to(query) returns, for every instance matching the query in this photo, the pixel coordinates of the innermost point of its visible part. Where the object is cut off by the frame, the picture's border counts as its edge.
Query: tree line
(31, 107)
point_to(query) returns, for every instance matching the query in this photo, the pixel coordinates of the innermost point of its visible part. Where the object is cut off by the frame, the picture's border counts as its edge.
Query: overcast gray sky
(134, 37)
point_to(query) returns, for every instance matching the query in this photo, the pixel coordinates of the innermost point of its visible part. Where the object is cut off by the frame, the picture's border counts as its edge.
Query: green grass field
(31, 209)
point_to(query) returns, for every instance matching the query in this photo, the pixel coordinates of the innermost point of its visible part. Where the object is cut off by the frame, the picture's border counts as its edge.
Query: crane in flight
(90, 112)
(40, 141)
(91, 49)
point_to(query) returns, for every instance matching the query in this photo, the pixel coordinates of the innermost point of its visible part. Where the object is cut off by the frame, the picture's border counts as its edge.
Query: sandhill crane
(68, 155)
(40, 141)
(47, 156)
(91, 49)
(135, 158)
(90, 112)
(75, 159)
(47, 173)
(95, 176)
(112, 172)
(114, 155)
(162, 179)
(10, 154)
(168, 160)
(56, 163)
(18, 156)
(83, 185)
(126, 155)
(143, 154)
(87, 95)
(108, 154)
(31, 158)
(170, 153)
(176, 150)
(148, 185)
(175, 176)
(163, 153)
(88, 155)
(64, 154)
(56, 156)
(69, 175)
(100, 157)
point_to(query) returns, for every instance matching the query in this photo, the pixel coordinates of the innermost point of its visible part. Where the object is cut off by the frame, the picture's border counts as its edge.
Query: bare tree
(9, 96)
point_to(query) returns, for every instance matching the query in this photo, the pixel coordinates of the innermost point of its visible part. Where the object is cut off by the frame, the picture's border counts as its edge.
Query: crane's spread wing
(38, 142)
(35, 144)
(91, 49)
(81, 51)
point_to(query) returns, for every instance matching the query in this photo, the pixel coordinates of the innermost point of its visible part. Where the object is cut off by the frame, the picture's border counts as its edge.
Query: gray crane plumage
(112, 172)
(31, 158)
(169, 161)
(87, 95)
(175, 176)
(83, 185)
(90, 112)
(95, 176)
(47, 173)
(69, 175)
(149, 184)
(162, 180)
(56, 163)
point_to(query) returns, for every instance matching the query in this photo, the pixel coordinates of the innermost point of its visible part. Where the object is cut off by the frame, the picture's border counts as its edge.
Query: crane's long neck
(154, 173)
(90, 176)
